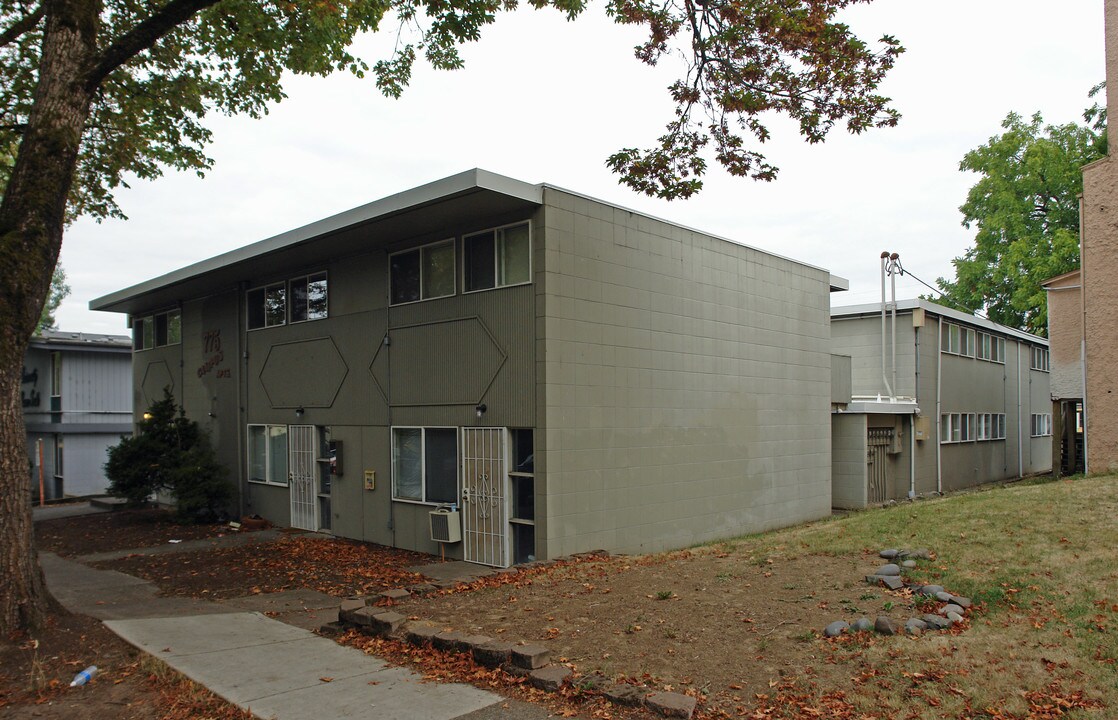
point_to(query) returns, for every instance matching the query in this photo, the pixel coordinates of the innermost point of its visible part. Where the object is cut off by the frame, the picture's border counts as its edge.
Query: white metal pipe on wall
(939, 404)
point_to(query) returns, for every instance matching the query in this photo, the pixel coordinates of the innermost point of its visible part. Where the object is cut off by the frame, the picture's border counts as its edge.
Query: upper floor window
(299, 299)
(308, 297)
(423, 273)
(990, 347)
(157, 330)
(957, 340)
(496, 258)
(1040, 359)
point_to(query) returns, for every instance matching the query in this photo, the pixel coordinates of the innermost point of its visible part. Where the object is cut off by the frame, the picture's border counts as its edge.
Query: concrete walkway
(272, 668)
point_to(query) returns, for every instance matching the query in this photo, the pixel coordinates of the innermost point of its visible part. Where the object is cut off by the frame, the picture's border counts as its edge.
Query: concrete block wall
(1065, 335)
(848, 460)
(685, 383)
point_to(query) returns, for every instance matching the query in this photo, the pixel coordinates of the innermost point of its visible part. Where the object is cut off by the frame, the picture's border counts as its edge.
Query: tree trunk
(32, 216)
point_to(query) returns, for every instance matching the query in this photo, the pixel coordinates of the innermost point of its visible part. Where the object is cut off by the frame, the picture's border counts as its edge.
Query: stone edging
(952, 612)
(520, 659)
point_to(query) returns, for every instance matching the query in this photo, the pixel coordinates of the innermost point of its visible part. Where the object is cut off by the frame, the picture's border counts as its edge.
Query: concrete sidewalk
(274, 669)
(277, 670)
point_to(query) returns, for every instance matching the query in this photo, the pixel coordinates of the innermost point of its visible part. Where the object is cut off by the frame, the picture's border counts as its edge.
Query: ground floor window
(1042, 424)
(425, 464)
(522, 479)
(991, 426)
(267, 454)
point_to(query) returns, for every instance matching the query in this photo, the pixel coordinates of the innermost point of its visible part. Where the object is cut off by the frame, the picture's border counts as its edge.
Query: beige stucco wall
(685, 383)
(1065, 333)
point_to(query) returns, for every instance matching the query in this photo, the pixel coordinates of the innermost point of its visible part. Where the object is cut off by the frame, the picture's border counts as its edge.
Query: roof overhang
(907, 306)
(474, 196)
(885, 406)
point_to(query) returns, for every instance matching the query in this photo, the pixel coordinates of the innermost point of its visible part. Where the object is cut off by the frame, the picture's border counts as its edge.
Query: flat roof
(911, 304)
(55, 338)
(473, 193)
(483, 188)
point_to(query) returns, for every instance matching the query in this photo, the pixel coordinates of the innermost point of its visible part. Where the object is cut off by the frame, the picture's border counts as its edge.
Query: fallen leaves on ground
(327, 565)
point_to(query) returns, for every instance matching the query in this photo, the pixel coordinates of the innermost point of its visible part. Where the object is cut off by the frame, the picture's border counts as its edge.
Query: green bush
(169, 453)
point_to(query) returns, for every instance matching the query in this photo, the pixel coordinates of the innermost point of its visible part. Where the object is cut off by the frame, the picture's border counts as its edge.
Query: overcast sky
(543, 100)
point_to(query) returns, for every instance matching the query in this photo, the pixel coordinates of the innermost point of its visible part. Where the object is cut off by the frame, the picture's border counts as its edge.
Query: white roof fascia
(476, 179)
(880, 407)
(957, 315)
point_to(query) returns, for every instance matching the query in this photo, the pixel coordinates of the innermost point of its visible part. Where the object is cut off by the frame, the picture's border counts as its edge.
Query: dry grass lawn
(738, 623)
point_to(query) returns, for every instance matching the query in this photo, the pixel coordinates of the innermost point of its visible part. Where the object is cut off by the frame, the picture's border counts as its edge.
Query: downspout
(1083, 336)
(242, 396)
(387, 340)
(912, 418)
(1020, 420)
(939, 404)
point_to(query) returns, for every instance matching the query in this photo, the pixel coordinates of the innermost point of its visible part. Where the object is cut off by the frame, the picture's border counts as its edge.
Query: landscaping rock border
(953, 610)
(373, 615)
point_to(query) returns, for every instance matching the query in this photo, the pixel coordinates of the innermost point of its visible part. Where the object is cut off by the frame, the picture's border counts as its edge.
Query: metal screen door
(484, 510)
(302, 444)
(878, 464)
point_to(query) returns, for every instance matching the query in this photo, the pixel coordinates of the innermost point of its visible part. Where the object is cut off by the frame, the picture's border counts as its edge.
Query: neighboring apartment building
(562, 373)
(1065, 338)
(966, 403)
(1098, 245)
(77, 391)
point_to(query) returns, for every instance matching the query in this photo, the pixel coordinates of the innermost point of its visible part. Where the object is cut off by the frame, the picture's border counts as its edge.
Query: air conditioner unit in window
(446, 525)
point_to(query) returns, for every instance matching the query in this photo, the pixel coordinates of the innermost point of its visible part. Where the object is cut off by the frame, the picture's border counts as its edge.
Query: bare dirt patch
(327, 565)
(117, 530)
(725, 624)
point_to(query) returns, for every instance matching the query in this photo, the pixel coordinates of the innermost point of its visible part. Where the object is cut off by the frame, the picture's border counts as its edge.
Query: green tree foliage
(95, 91)
(169, 453)
(59, 290)
(1025, 208)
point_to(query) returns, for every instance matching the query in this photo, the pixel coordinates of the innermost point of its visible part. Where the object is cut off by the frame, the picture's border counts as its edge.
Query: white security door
(484, 510)
(302, 465)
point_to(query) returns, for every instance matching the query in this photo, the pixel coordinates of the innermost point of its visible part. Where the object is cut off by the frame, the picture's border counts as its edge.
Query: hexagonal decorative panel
(156, 377)
(450, 362)
(305, 372)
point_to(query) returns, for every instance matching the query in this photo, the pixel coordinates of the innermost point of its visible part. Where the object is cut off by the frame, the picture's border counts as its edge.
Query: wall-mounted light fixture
(148, 416)
(299, 411)
(480, 410)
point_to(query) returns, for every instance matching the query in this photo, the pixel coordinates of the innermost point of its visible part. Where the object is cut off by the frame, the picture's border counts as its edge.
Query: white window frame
(305, 280)
(1041, 425)
(147, 327)
(990, 348)
(991, 426)
(496, 256)
(422, 250)
(960, 340)
(951, 424)
(268, 459)
(423, 463)
(266, 287)
(1040, 359)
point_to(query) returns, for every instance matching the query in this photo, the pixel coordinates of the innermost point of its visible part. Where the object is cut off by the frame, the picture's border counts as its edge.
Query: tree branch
(21, 26)
(143, 36)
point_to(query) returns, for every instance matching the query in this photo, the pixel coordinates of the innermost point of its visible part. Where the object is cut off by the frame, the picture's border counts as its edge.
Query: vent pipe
(891, 266)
